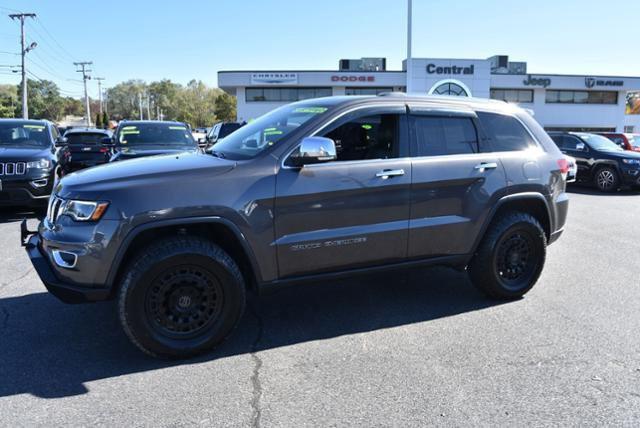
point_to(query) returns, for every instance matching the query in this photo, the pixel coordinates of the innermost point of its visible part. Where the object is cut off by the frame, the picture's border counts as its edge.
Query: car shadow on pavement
(50, 349)
(13, 214)
(584, 189)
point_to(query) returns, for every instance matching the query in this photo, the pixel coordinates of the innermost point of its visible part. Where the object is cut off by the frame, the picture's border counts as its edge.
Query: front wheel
(181, 297)
(606, 179)
(510, 257)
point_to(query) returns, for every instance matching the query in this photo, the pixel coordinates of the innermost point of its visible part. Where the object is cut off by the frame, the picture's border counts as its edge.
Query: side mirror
(61, 141)
(107, 141)
(315, 150)
(581, 147)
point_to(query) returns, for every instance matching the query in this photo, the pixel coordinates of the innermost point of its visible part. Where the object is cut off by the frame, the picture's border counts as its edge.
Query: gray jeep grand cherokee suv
(313, 190)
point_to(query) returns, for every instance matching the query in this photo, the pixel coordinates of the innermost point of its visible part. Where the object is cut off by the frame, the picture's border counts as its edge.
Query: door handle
(483, 166)
(386, 173)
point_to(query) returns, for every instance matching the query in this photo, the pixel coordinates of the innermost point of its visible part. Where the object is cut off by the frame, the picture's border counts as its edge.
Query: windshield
(155, 134)
(23, 134)
(601, 143)
(634, 140)
(85, 138)
(266, 131)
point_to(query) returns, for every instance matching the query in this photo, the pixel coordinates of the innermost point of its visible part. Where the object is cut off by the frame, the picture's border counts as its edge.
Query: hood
(24, 153)
(624, 154)
(152, 171)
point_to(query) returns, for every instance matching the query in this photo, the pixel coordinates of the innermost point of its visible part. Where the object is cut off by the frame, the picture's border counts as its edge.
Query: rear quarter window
(506, 133)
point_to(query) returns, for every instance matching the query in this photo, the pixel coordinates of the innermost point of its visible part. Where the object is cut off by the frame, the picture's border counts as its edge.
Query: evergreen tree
(98, 120)
(105, 120)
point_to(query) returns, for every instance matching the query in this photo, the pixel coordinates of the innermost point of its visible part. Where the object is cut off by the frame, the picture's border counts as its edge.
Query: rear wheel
(181, 297)
(606, 179)
(510, 258)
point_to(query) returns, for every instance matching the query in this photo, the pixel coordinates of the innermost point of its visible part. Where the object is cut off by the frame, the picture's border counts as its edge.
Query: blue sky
(194, 39)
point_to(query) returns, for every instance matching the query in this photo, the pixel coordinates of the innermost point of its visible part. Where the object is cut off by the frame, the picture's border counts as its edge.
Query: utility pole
(83, 69)
(99, 79)
(409, 63)
(140, 104)
(23, 51)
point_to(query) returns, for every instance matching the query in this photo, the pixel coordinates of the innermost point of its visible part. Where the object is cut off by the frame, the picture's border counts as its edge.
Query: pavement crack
(256, 412)
(11, 281)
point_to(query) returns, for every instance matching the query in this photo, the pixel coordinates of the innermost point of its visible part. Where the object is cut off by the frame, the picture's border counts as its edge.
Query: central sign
(274, 78)
(452, 69)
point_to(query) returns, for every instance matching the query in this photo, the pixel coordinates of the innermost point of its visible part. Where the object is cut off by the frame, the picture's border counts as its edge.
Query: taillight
(103, 150)
(563, 164)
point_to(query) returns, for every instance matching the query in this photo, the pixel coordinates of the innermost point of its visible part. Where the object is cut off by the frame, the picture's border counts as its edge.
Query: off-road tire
(197, 270)
(509, 238)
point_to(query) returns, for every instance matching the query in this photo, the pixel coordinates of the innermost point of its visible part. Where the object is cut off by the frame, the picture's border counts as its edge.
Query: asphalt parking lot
(403, 350)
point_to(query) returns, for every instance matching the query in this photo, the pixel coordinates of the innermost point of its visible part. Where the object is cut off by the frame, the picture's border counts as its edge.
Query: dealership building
(558, 101)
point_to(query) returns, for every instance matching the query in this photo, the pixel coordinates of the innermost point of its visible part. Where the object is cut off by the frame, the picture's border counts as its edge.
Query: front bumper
(66, 292)
(22, 192)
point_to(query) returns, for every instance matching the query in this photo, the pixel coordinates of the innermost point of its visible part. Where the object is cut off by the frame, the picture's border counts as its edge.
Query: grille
(13, 168)
(53, 211)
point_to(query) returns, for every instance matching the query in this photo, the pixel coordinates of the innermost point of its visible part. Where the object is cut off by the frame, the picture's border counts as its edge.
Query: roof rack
(392, 94)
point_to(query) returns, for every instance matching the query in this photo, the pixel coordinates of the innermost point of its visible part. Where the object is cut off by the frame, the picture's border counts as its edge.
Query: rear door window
(438, 136)
(506, 133)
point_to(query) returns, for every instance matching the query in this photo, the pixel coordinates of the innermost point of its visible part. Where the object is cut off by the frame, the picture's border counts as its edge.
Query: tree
(226, 107)
(8, 100)
(44, 100)
(105, 120)
(122, 99)
(98, 123)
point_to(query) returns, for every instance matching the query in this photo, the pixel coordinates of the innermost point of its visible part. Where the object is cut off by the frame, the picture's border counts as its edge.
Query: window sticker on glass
(311, 110)
(367, 126)
(35, 127)
(178, 128)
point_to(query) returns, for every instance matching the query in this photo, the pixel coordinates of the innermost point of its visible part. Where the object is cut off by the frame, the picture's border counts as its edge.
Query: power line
(39, 21)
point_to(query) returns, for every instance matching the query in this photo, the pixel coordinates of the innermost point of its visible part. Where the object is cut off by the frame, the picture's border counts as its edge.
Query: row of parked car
(33, 153)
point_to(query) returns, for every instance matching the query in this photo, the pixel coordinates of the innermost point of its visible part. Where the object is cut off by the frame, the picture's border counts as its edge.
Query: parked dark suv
(29, 161)
(311, 191)
(86, 148)
(218, 132)
(139, 138)
(601, 162)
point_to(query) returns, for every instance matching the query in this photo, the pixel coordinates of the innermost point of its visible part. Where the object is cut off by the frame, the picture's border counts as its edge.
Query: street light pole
(23, 51)
(409, 62)
(99, 79)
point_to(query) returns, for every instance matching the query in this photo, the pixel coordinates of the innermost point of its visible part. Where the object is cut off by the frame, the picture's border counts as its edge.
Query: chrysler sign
(274, 78)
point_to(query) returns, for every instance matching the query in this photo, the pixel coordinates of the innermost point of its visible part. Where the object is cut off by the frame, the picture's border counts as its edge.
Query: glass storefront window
(285, 94)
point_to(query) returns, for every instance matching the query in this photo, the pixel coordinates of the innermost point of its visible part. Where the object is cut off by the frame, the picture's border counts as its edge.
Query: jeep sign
(537, 81)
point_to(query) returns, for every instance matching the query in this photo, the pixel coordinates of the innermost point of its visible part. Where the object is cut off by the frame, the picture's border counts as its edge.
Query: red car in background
(625, 141)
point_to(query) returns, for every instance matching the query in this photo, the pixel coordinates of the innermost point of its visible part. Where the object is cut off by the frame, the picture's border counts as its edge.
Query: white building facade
(558, 102)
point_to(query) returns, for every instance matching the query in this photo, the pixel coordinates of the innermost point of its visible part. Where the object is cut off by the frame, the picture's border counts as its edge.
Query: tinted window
(513, 95)
(506, 133)
(438, 136)
(85, 138)
(369, 137)
(581, 97)
(227, 129)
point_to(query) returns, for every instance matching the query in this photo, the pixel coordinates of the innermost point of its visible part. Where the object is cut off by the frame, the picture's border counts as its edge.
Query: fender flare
(136, 231)
(500, 203)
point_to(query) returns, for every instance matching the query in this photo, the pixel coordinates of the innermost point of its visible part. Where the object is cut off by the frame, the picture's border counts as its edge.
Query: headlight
(83, 210)
(41, 164)
(631, 161)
